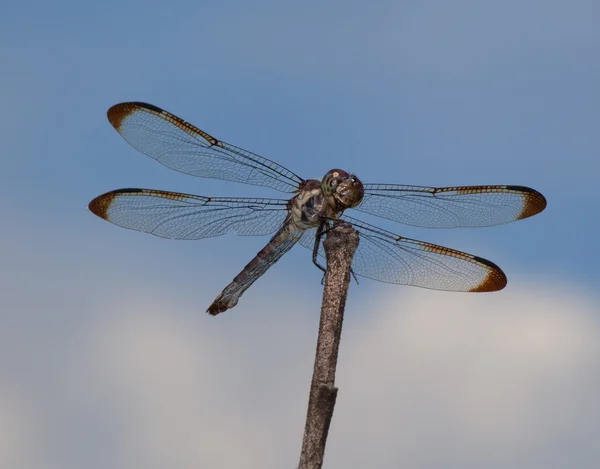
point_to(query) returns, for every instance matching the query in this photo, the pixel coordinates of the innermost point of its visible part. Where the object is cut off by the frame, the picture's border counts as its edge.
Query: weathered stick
(340, 245)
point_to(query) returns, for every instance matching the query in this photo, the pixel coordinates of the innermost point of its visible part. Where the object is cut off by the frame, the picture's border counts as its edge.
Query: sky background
(107, 358)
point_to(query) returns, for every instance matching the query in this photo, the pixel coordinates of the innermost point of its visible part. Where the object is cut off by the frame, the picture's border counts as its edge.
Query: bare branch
(340, 245)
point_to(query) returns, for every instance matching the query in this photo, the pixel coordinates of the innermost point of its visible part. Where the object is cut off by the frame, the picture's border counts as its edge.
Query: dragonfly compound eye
(350, 192)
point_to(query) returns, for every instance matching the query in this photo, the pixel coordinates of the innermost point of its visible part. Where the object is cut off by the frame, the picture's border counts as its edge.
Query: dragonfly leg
(318, 236)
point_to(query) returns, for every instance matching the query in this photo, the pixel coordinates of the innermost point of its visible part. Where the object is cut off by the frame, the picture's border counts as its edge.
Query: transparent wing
(185, 216)
(180, 146)
(390, 258)
(451, 207)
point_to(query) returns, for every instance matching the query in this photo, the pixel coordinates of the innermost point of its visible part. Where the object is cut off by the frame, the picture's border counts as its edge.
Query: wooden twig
(340, 245)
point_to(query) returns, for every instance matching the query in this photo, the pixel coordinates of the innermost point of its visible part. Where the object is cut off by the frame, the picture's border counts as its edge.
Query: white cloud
(426, 380)
(464, 380)
(495, 381)
(189, 397)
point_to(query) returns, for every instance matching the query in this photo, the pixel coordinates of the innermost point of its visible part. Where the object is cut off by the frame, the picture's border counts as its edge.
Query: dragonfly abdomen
(280, 243)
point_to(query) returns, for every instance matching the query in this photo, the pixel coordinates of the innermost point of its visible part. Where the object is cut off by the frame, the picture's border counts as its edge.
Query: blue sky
(400, 92)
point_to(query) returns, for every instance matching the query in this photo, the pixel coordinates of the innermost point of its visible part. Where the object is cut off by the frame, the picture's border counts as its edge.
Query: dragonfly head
(344, 187)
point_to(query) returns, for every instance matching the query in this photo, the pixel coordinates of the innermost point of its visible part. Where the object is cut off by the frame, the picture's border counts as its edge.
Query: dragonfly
(316, 205)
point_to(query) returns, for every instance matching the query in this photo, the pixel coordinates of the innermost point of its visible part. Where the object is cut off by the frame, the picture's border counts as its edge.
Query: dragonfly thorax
(346, 188)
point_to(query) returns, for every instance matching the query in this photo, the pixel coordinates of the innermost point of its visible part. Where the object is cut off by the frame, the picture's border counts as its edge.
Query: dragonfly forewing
(451, 207)
(183, 147)
(186, 216)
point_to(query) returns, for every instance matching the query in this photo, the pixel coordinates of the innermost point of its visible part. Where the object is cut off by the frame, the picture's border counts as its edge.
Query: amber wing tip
(534, 201)
(117, 113)
(100, 205)
(495, 280)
